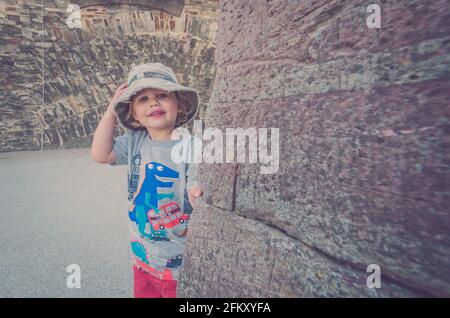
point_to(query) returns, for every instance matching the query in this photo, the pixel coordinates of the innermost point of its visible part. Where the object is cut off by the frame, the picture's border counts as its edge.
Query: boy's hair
(182, 111)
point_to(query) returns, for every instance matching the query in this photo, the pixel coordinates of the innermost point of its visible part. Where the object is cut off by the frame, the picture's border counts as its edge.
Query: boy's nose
(154, 103)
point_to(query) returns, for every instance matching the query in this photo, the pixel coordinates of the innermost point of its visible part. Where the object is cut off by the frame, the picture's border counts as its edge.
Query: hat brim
(121, 107)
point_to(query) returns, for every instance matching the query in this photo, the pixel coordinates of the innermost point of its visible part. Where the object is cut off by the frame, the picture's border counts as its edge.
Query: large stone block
(363, 176)
(241, 257)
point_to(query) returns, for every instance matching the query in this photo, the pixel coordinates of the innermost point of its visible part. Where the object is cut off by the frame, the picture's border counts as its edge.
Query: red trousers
(148, 286)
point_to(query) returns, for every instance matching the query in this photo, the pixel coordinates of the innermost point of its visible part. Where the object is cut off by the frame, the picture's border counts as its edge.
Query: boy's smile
(157, 113)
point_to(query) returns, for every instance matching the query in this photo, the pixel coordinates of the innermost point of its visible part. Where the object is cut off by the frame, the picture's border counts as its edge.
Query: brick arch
(84, 66)
(173, 7)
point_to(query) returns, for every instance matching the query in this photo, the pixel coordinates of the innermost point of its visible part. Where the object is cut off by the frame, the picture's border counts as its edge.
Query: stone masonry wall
(83, 66)
(364, 153)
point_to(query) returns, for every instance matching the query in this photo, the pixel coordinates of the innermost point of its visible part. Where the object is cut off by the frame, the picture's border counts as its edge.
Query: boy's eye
(142, 99)
(160, 96)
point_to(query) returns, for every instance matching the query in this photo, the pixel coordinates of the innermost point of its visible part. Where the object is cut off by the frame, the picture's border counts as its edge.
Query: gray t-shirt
(159, 208)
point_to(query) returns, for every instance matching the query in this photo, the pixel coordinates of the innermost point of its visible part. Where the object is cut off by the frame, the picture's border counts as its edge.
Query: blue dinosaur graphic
(147, 198)
(149, 205)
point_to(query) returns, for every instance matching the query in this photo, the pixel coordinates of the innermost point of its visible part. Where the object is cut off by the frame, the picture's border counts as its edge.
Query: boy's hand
(193, 193)
(117, 94)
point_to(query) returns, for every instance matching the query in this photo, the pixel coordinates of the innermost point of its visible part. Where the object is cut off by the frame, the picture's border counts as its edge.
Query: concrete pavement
(58, 208)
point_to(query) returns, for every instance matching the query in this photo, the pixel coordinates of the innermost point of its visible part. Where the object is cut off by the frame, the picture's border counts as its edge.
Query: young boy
(150, 106)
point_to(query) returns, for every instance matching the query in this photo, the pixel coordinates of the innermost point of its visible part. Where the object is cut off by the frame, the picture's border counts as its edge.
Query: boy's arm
(193, 188)
(192, 175)
(102, 144)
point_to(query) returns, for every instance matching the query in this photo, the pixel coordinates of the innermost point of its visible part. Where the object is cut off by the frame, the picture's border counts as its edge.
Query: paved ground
(58, 208)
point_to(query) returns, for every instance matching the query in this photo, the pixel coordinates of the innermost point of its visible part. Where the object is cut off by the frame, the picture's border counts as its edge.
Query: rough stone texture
(364, 153)
(83, 66)
(241, 257)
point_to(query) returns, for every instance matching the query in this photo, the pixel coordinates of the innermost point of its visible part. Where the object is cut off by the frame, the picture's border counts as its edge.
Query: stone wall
(364, 153)
(83, 66)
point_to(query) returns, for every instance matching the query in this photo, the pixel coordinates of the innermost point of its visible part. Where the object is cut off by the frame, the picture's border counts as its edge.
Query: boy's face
(155, 108)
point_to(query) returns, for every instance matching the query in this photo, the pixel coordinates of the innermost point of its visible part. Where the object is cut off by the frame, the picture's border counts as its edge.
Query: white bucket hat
(157, 76)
